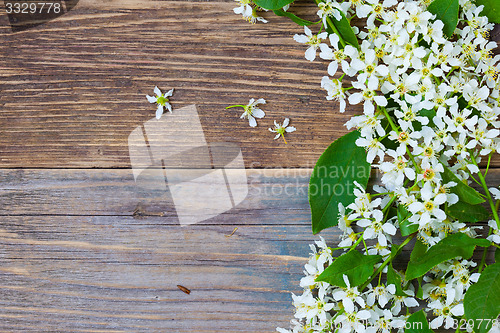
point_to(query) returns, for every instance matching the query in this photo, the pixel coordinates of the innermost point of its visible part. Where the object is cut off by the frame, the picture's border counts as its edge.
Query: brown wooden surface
(72, 90)
(82, 247)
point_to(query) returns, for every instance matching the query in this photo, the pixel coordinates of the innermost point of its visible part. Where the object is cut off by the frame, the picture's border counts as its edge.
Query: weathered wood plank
(72, 90)
(113, 192)
(118, 273)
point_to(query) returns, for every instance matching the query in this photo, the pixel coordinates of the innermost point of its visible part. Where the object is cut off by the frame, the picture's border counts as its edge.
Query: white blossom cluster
(429, 102)
(376, 309)
(444, 290)
(442, 103)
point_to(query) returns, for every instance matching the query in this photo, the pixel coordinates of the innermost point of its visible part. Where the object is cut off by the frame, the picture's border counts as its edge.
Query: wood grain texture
(73, 89)
(71, 274)
(64, 268)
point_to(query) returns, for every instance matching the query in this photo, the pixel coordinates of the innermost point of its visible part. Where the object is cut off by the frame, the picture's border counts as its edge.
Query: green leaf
(446, 11)
(406, 227)
(395, 279)
(482, 299)
(497, 255)
(465, 212)
(332, 180)
(420, 291)
(343, 29)
(419, 250)
(356, 266)
(491, 9)
(293, 17)
(464, 191)
(417, 323)
(272, 4)
(455, 245)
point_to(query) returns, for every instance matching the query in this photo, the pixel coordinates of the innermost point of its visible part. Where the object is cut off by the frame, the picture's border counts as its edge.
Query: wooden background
(82, 248)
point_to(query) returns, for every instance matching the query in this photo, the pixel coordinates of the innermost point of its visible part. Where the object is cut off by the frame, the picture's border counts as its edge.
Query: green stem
(494, 209)
(487, 192)
(488, 165)
(483, 258)
(235, 106)
(396, 129)
(387, 261)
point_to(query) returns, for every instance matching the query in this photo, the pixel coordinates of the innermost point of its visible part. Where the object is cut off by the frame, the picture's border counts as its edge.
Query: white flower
(431, 172)
(248, 12)
(475, 96)
(409, 112)
(418, 20)
(368, 65)
(460, 147)
(338, 55)
(430, 206)
(496, 192)
(314, 42)
(244, 9)
(445, 311)
(251, 111)
(335, 91)
(368, 94)
(374, 9)
(352, 321)
(484, 136)
(408, 301)
(395, 171)
(362, 205)
(495, 233)
(405, 138)
(374, 148)
(383, 321)
(331, 8)
(348, 296)
(369, 125)
(375, 228)
(381, 293)
(161, 100)
(281, 129)
(400, 85)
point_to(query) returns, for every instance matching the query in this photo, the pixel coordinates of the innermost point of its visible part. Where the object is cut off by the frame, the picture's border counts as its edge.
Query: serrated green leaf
(446, 11)
(465, 192)
(482, 299)
(293, 17)
(491, 9)
(455, 245)
(272, 4)
(465, 212)
(332, 180)
(406, 227)
(356, 266)
(343, 29)
(417, 323)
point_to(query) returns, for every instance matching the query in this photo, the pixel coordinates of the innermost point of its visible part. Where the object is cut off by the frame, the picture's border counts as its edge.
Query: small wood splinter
(232, 233)
(184, 289)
